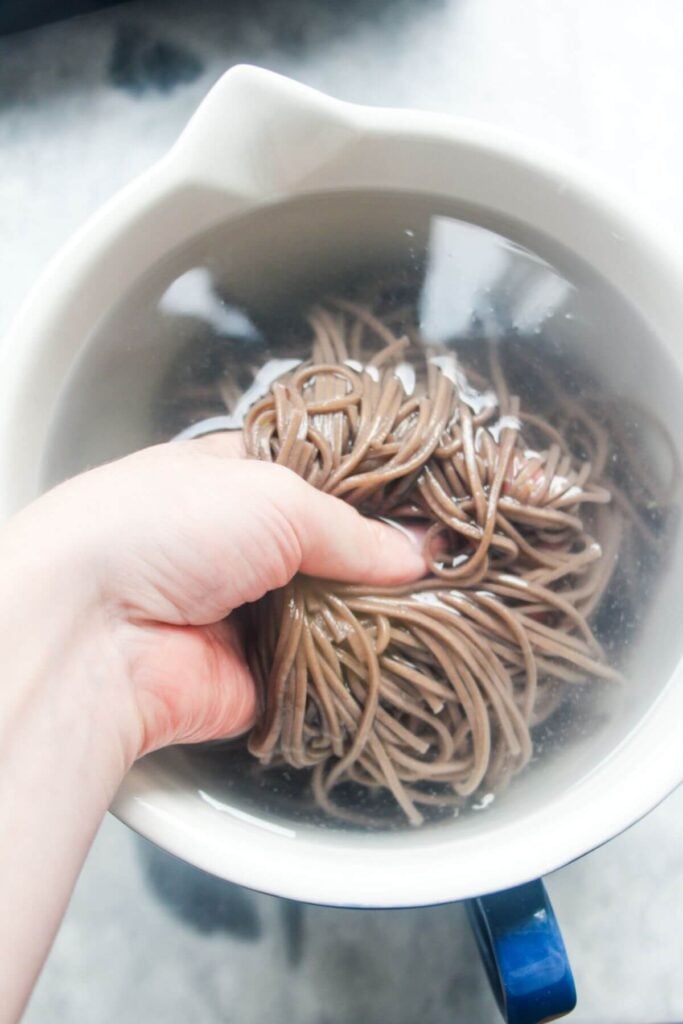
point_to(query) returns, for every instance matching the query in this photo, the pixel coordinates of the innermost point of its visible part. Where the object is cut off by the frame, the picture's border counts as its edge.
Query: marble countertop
(87, 104)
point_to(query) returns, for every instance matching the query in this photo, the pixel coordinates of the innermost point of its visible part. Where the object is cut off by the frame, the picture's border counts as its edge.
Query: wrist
(61, 677)
(64, 745)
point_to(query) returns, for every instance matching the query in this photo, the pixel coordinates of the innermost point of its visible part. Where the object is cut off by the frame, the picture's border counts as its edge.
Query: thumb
(337, 542)
(282, 526)
(334, 539)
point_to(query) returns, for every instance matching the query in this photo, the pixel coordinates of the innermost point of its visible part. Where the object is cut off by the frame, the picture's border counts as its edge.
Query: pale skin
(116, 639)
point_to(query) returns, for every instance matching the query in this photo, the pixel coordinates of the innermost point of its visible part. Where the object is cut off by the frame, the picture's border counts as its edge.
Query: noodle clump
(428, 691)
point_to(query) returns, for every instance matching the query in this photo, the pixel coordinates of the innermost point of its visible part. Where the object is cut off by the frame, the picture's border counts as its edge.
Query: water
(211, 325)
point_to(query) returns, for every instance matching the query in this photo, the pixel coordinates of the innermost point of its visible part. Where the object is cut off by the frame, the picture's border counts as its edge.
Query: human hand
(149, 555)
(116, 639)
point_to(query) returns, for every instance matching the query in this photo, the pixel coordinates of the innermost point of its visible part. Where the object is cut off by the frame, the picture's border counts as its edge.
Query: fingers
(191, 684)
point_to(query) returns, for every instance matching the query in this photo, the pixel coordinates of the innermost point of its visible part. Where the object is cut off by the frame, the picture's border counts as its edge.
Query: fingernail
(416, 535)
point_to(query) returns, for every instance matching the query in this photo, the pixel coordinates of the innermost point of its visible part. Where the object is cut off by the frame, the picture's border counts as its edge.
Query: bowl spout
(258, 135)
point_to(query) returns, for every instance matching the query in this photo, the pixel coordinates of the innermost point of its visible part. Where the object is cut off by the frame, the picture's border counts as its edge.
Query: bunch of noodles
(429, 691)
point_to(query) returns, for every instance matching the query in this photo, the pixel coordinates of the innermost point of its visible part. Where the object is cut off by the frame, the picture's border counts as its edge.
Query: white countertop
(84, 106)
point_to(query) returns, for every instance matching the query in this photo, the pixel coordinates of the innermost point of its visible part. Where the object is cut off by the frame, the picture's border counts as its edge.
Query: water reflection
(474, 276)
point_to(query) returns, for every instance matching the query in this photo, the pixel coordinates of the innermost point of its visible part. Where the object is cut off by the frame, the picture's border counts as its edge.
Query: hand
(115, 639)
(152, 553)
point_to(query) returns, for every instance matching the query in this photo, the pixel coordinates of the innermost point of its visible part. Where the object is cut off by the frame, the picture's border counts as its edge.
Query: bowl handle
(523, 953)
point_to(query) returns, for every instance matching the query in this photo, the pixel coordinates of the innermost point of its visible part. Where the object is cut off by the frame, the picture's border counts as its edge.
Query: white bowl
(258, 138)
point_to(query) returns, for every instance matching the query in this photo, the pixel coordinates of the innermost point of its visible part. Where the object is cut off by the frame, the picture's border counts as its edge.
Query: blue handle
(520, 943)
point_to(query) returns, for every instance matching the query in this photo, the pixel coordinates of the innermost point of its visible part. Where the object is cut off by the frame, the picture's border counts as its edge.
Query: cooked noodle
(430, 691)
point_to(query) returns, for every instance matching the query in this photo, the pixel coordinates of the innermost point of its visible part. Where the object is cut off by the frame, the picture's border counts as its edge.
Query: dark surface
(18, 15)
(140, 62)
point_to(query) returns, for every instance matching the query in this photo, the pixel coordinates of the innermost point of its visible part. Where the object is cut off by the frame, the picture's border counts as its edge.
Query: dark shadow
(293, 919)
(371, 965)
(21, 15)
(202, 901)
(208, 904)
(160, 46)
(140, 62)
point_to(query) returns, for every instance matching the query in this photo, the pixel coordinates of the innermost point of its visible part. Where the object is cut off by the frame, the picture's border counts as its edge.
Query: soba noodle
(430, 691)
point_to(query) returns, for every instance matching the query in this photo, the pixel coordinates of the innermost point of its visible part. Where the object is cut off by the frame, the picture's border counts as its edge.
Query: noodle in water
(429, 691)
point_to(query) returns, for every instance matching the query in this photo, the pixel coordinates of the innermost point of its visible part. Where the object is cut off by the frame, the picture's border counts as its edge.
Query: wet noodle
(429, 691)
